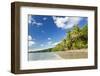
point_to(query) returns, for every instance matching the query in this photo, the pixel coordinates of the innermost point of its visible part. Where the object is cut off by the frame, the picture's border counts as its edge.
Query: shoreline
(69, 54)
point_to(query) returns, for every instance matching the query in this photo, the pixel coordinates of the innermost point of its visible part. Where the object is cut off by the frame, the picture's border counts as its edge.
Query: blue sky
(48, 31)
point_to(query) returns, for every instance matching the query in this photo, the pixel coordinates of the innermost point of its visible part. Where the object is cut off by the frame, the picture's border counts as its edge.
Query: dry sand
(73, 54)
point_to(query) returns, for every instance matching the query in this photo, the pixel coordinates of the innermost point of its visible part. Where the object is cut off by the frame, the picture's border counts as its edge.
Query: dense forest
(76, 38)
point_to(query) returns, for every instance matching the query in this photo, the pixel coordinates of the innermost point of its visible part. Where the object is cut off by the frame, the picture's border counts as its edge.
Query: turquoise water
(43, 56)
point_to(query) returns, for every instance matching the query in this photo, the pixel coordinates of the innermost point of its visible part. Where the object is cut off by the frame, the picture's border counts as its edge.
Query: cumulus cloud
(29, 37)
(60, 21)
(30, 19)
(44, 18)
(30, 41)
(66, 22)
(49, 38)
(49, 41)
(34, 22)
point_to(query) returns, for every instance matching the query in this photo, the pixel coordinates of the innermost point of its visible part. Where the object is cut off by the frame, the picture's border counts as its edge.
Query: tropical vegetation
(76, 38)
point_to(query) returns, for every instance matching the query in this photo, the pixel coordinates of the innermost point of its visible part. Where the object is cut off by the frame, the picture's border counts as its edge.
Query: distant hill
(43, 50)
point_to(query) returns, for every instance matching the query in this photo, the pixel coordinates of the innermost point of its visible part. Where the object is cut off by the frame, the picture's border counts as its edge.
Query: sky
(47, 31)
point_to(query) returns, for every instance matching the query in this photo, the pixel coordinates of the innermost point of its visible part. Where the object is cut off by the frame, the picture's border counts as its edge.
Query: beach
(69, 54)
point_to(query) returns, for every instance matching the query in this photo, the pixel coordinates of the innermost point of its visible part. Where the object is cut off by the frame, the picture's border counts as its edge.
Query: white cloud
(60, 21)
(66, 22)
(29, 37)
(49, 42)
(29, 19)
(34, 22)
(41, 44)
(73, 21)
(49, 38)
(37, 23)
(30, 41)
(44, 18)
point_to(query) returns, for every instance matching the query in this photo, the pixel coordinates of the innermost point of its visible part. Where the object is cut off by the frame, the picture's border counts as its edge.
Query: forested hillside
(76, 38)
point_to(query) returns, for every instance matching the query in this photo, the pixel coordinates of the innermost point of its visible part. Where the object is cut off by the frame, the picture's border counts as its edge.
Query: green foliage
(59, 47)
(76, 38)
